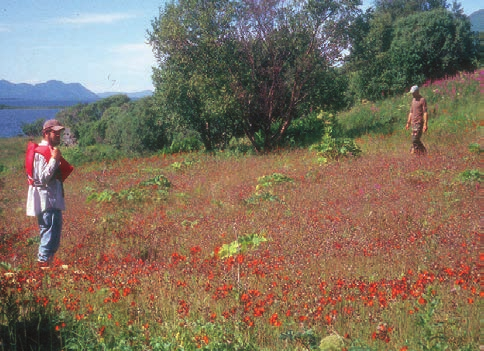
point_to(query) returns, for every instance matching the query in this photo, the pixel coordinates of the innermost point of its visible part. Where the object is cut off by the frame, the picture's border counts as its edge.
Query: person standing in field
(47, 170)
(418, 117)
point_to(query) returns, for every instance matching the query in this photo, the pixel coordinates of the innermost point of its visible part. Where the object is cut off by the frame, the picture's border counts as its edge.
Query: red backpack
(32, 148)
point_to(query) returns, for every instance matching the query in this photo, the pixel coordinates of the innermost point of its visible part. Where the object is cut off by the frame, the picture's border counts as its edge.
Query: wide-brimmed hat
(53, 124)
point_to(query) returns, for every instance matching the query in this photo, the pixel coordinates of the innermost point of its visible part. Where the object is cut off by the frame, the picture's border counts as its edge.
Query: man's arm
(409, 120)
(425, 115)
(44, 169)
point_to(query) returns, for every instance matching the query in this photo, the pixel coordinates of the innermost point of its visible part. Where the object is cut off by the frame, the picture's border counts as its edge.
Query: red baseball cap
(53, 124)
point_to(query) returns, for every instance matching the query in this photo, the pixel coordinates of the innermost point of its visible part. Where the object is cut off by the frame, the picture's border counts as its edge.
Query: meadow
(281, 251)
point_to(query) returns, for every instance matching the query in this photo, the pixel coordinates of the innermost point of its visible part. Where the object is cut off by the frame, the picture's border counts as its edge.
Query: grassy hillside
(272, 252)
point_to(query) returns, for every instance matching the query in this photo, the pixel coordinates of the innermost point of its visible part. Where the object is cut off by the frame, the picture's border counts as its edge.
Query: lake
(11, 119)
(28, 111)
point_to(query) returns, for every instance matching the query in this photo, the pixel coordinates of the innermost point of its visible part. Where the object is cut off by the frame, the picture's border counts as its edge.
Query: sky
(101, 44)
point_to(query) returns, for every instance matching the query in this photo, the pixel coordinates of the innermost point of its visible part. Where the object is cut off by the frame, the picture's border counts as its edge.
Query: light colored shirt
(47, 191)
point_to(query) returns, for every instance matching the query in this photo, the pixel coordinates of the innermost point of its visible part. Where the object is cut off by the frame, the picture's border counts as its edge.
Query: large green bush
(403, 43)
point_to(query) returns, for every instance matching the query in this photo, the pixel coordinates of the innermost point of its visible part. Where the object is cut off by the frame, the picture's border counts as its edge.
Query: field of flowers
(269, 252)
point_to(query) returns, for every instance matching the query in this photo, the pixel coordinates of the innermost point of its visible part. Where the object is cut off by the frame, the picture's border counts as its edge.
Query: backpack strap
(33, 148)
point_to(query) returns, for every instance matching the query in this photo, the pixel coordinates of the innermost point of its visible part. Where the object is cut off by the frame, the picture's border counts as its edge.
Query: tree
(368, 62)
(84, 120)
(430, 45)
(286, 58)
(191, 41)
(402, 8)
(251, 65)
(402, 43)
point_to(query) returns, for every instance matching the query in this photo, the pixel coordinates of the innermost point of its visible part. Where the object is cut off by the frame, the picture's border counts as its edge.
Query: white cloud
(134, 47)
(127, 68)
(93, 18)
(4, 28)
(136, 57)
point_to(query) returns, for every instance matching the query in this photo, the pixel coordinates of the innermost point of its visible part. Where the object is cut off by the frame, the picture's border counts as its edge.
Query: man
(47, 170)
(418, 117)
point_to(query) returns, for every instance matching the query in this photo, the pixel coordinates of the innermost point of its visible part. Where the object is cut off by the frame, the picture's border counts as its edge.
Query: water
(11, 119)
(27, 111)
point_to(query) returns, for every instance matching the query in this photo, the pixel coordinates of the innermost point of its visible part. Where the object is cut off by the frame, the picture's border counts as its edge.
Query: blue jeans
(50, 224)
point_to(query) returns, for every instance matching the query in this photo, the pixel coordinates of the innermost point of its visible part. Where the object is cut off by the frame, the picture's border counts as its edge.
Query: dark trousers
(417, 146)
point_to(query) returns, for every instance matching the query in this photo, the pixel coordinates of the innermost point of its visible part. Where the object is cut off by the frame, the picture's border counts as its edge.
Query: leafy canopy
(231, 67)
(401, 43)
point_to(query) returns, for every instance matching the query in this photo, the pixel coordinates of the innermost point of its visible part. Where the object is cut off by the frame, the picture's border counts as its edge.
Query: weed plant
(378, 252)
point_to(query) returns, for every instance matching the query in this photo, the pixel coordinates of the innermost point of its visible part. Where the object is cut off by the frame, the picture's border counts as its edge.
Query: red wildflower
(274, 320)
(248, 321)
(194, 250)
(259, 311)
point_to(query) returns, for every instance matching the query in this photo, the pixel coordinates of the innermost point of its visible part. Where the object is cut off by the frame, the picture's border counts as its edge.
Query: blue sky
(98, 43)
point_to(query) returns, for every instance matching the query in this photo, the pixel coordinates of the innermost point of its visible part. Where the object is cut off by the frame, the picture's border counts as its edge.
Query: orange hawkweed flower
(248, 321)
(195, 250)
(259, 311)
(274, 320)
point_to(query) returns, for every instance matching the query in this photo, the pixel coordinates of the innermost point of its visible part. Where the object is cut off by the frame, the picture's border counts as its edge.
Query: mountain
(137, 95)
(477, 20)
(53, 90)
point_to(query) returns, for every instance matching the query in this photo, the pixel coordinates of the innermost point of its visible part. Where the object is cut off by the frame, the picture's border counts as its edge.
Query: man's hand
(425, 128)
(55, 154)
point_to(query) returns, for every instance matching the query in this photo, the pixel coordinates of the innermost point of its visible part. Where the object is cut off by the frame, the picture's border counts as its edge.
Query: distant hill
(477, 20)
(52, 90)
(137, 95)
(55, 90)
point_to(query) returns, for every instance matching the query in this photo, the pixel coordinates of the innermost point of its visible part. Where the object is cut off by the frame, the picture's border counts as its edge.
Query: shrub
(33, 129)
(470, 176)
(307, 130)
(188, 141)
(78, 155)
(475, 148)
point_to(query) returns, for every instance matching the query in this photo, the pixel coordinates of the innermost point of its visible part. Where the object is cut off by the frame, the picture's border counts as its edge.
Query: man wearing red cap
(45, 198)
